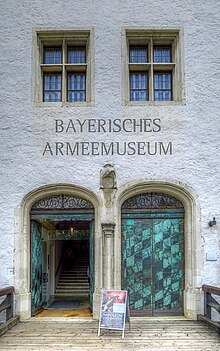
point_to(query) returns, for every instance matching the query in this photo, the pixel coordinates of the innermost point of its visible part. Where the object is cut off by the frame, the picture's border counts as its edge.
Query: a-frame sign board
(114, 311)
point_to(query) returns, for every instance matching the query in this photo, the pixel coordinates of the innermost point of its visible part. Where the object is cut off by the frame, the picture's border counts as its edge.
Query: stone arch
(193, 239)
(22, 238)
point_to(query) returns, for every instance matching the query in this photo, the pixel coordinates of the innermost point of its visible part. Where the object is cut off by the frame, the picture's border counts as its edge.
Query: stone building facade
(110, 129)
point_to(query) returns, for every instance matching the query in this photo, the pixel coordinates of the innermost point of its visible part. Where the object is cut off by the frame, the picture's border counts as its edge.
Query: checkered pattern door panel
(137, 253)
(167, 264)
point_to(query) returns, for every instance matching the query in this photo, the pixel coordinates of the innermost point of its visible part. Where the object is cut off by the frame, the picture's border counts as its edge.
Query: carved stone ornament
(152, 201)
(108, 177)
(62, 202)
(108, 229)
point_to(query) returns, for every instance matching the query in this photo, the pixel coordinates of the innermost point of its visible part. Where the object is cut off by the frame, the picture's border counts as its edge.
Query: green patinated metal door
(36, 267)
(153, 255)
(91, 264)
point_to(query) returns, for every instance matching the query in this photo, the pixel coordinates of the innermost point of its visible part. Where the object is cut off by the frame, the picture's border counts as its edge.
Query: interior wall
(59, 247)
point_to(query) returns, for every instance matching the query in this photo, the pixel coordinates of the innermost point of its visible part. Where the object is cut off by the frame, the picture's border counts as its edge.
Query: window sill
(154, 103)
(63, 104)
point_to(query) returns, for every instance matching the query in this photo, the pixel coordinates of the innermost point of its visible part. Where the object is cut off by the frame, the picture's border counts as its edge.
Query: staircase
(73, 283)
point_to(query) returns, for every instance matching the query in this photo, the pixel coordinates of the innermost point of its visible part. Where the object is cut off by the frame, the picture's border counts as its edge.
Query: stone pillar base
(192, 305)
(96, 304)
(23, 306)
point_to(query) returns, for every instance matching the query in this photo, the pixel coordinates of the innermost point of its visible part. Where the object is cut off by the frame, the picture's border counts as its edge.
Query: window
(64, 69)
(153, 66)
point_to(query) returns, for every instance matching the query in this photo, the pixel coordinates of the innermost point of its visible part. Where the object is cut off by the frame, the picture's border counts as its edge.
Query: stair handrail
(59, 269)
(210, 303)
(59, 266)
(8, 303)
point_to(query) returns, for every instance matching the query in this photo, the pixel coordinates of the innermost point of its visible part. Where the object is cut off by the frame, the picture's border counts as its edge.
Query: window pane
(52, 56)
(52, 87)
(76, 96)
(162, 87)
(76, 82)
(52, 96)
(138, 95)
(52, 82)
(76, 87)
(138, 80)
(162, 54)
(138, 55)
(76, 55)
(138, 87)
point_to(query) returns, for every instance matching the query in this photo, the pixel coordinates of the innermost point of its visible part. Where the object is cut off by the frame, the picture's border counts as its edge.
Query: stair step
(75, 292)
(74, 273)
(76, 288)
(75, 276)
(72, 284)
(78, 278)
(76, 295)
(71, 277)
(79, 290)
(67, 281)
(77, 271)
(83, 259)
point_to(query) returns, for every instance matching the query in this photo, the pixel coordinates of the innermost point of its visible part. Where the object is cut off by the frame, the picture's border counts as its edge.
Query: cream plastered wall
(192, 126)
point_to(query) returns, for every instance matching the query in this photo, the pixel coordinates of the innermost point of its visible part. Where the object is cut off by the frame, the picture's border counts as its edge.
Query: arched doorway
(153, 253)
(61, 251)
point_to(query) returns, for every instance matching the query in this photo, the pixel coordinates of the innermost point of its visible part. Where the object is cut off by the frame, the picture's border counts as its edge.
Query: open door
(36, 268)
(91, 275)
(61, 221)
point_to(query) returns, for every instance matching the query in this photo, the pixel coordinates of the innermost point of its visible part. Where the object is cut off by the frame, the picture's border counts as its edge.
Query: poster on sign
(114, 311)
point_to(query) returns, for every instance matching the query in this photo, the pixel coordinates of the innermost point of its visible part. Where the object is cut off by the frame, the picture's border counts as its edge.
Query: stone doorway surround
(22, 251)
(107, 237)
(192, 234)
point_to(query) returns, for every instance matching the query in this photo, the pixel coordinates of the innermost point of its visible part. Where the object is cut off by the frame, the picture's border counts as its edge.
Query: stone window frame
(63, 38)
(151, 37)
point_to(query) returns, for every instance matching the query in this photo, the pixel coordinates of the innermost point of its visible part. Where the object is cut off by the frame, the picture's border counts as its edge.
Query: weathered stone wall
(193, 128)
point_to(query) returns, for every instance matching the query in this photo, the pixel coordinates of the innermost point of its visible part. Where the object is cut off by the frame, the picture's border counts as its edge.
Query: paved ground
(146, 334)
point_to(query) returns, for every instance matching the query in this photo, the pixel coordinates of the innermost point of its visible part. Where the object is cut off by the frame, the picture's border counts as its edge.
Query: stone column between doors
(108, 254)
